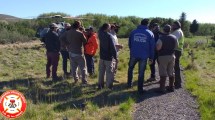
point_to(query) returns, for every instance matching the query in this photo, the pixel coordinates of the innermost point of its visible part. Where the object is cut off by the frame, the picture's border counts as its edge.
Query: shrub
(213, 43)
(11, 37)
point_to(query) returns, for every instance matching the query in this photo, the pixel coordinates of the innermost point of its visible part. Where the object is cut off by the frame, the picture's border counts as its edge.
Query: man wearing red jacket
(90, 50)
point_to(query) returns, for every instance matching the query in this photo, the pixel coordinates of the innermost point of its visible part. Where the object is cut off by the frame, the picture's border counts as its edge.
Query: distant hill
(9, 17)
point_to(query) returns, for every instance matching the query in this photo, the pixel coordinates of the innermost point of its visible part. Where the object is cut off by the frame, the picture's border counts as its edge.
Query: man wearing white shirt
(178, 33)
(113, 32)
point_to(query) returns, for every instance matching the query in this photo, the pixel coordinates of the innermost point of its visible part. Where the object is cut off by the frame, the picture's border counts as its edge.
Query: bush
(213, 43)
(11, 37)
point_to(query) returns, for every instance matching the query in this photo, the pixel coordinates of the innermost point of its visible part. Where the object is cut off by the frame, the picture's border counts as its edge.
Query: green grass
(200, 76)
(22, 67)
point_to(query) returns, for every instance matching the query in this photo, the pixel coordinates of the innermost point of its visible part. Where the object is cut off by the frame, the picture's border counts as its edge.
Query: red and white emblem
(12, 104)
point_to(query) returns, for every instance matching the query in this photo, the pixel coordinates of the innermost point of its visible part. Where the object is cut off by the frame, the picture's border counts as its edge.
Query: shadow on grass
(75, 96)
(107, 97)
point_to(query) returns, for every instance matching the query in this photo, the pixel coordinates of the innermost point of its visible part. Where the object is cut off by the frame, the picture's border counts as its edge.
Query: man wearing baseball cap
(52, 44)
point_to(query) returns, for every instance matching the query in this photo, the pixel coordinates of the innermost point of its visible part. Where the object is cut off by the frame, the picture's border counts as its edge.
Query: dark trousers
(90, 63)
(52, 60)
(65, 57)
(177, 68)
(152, 66)
(141, 71)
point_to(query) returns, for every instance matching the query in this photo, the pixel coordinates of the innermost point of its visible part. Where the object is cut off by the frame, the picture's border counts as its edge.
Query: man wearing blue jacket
(141, 44)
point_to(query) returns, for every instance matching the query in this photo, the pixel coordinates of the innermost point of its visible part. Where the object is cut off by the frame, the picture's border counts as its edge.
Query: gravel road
(178, 105)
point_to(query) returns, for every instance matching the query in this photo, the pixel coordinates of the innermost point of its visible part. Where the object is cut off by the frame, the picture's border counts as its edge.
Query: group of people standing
(146, 44)
(79, 46)
(149, 44)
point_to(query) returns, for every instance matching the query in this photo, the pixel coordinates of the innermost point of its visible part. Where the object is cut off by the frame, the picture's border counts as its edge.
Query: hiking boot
(85, 84)
(150, 80)
(178, 87)
(141, 91)
(160, 91)
(56, 78)
(100, 87)
(115, 81)
(171, 87)
(129, 86)
(162, 82)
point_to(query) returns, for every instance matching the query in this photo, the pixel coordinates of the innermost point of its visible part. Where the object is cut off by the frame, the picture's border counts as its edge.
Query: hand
(119, 46)
(150, 61)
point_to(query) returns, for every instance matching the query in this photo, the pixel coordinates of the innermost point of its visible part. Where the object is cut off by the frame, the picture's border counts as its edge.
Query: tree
(194, 27)
(185, 25)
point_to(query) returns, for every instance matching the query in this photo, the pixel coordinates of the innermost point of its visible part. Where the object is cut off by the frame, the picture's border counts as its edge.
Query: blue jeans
(152, 66)
(65, 57)
(90, 64)
(141, 71)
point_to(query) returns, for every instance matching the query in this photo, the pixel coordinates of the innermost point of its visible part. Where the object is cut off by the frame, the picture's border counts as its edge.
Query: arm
(95, 43)
(152, 47)
(176, 44)
(113, 48)
(84, 40)
(159, 45)
(129, 41)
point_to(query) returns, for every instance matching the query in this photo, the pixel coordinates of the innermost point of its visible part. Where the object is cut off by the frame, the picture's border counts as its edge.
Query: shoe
(178, 87)
(160, 91)
(115, 81)
(56, 78)
(100, 87)
(170, 89)
(141, 91)
(84, 84)
(129, 86)
(151, 80)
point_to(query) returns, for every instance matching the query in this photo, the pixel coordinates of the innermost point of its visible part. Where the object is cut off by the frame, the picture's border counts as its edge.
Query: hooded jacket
(141, 43)
(92, 45)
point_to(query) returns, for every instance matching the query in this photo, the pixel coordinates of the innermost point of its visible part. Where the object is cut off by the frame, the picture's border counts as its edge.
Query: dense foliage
(26, 29)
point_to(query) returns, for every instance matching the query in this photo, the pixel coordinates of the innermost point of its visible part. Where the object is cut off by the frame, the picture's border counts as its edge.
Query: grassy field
(22, 67)
(199, 74)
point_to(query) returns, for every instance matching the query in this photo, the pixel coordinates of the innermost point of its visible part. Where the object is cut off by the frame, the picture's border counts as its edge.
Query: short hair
(167, 28)
(177, 23)
(145, 22)
(105, 26)
(76, 24)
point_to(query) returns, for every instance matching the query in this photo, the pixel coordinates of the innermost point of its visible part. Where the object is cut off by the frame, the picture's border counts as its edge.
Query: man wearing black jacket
(52, 44)
(107, 55)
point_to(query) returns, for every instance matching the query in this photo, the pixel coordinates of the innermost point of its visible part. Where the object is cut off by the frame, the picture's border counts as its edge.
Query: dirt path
(178, 105)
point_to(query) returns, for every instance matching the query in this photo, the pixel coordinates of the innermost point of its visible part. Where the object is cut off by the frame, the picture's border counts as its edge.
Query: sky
(201, 10)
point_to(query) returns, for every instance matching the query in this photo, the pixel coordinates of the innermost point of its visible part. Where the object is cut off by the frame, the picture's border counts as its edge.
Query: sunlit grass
(200, 77)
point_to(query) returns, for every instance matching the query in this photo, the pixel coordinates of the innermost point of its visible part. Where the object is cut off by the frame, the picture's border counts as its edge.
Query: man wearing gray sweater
(76, 41)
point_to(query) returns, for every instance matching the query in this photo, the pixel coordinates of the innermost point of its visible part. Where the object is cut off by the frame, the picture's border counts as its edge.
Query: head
(106, 27)
(167, 28)
(115, 27)
(76, 25)
(155, 27)
(176, 25)
(67, 26)
(90, 30)
(145, 22)
(53, 26)
(81, 29)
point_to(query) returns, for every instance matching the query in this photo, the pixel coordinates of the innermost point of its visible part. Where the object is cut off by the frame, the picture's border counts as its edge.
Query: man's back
(141, 43)
(169, 43)
(52, 42)
(107, 48)
(75, 40)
